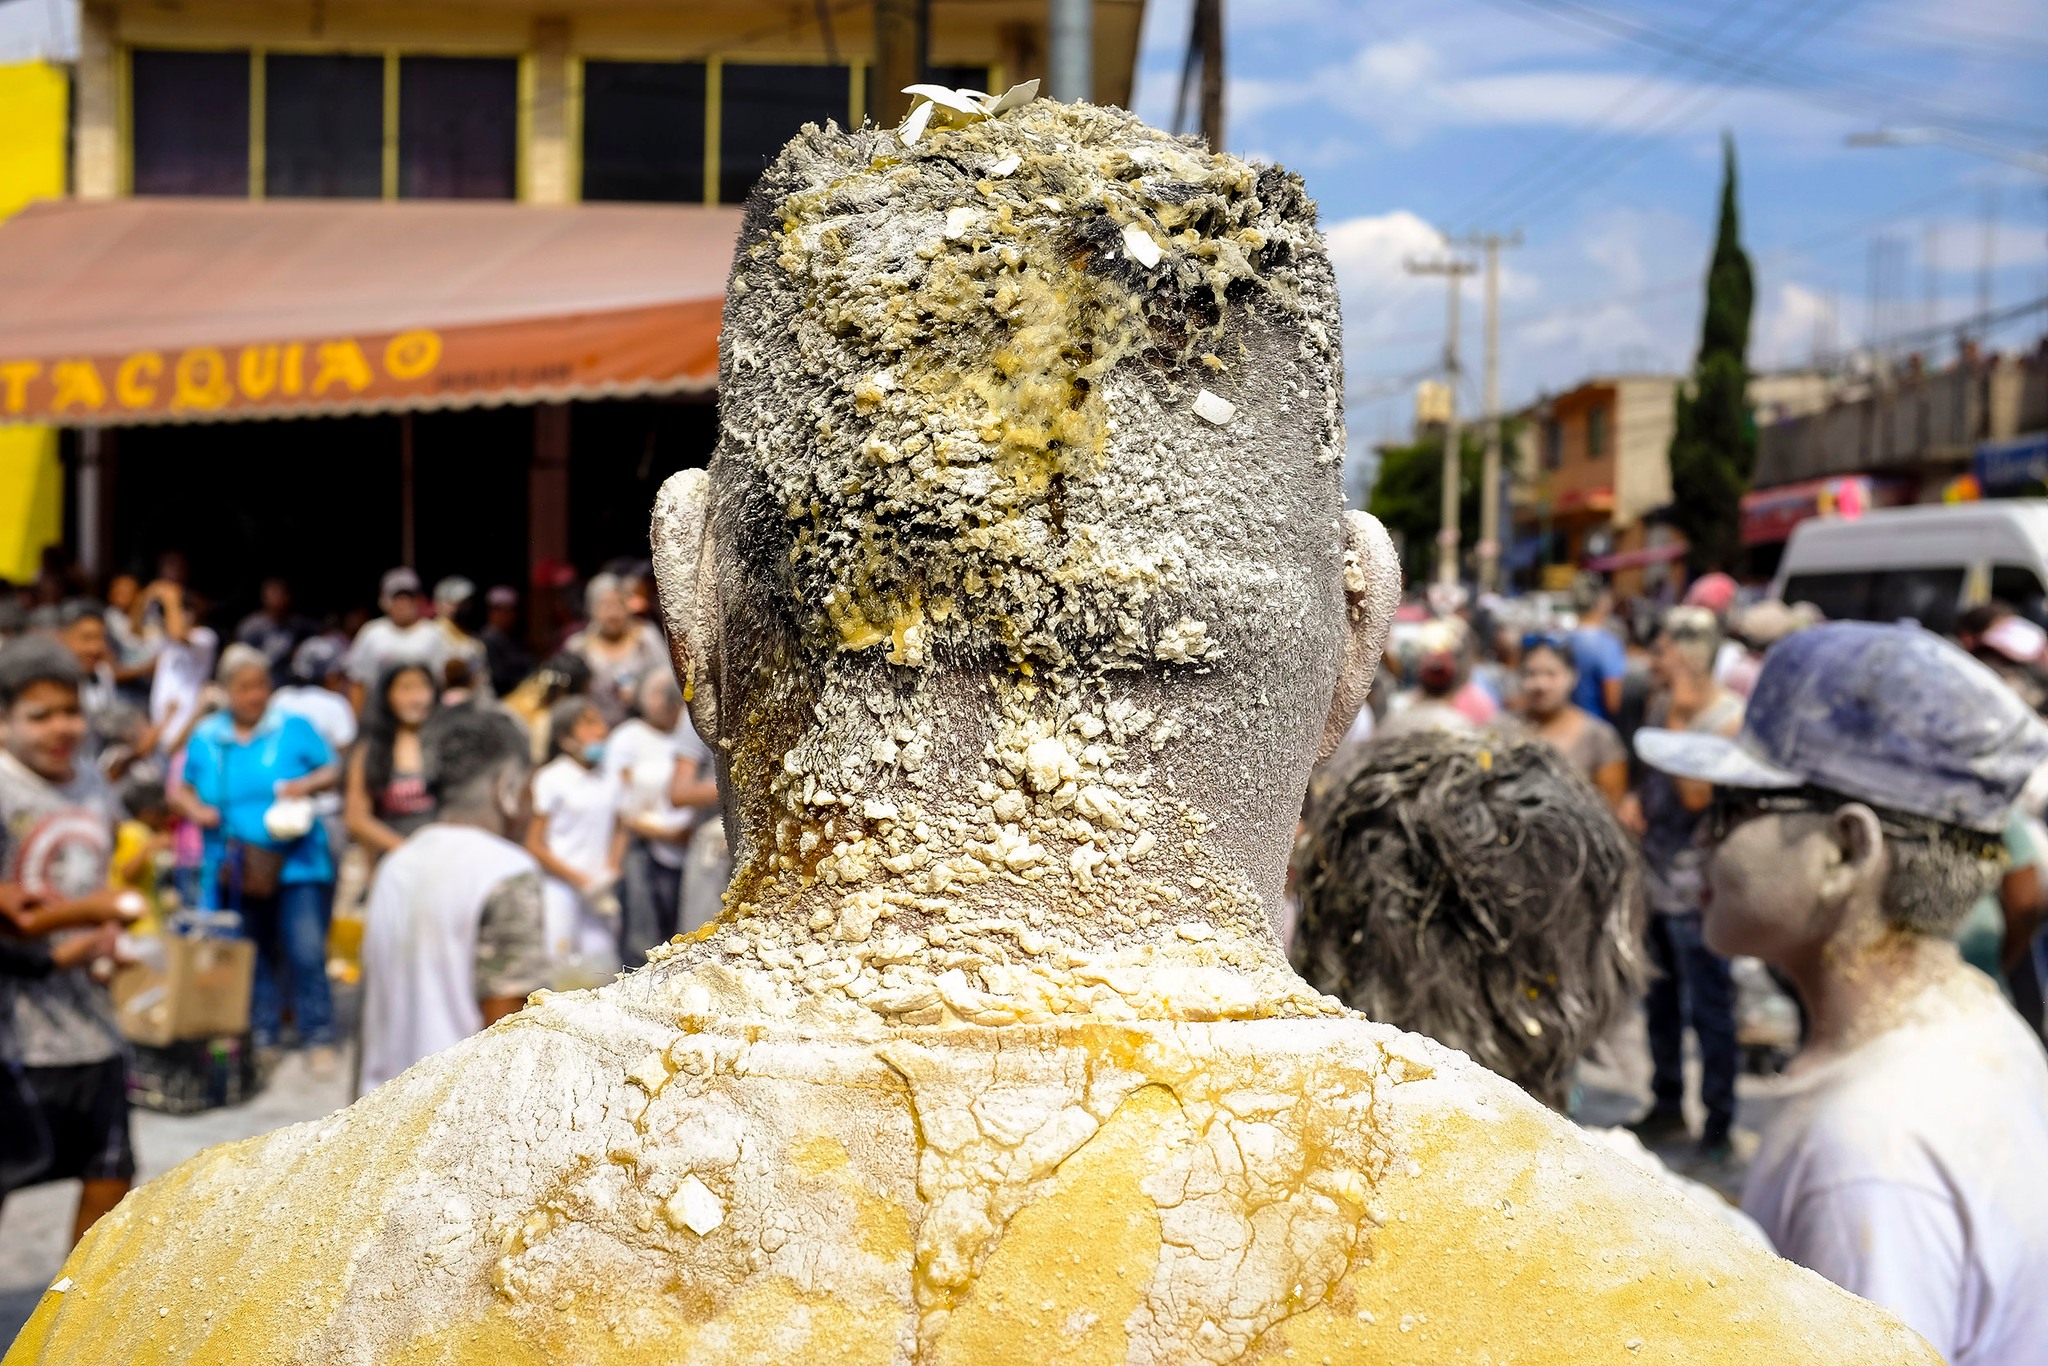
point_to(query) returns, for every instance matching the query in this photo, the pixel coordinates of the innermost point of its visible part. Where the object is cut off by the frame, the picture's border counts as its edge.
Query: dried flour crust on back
(586, 1182)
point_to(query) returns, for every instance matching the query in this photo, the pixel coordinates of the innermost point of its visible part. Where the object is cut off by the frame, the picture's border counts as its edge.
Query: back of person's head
(1088, 501)
(463, 748)
(74, 610)
(1693, 634)
(1975, 621)
(1474, 890)
(32, 660)
(141, 797)
(317, 659)
(565, 674)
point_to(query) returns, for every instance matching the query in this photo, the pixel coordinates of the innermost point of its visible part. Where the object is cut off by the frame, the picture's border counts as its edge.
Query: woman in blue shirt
(240, 762)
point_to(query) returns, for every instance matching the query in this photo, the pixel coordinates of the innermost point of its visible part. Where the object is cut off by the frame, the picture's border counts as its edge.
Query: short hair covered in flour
(1045, 409)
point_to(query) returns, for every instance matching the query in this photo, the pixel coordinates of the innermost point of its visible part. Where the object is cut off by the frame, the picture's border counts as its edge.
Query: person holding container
(249, 778)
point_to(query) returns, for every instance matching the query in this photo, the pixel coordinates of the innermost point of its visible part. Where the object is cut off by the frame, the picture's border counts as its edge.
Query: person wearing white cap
(402, 635)
(1855, 818)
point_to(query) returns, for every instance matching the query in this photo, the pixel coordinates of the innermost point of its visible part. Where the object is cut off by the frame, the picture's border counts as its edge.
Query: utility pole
(1453, 270)
(1989, 259)
(1072, 65)
(1205, 50)
(1488, 549)
(901, 37)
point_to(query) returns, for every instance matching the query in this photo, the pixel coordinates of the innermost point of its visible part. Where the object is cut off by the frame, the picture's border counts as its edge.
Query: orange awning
(181, 310)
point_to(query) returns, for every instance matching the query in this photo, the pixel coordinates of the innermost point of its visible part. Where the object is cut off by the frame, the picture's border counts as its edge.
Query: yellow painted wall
(32, 117)
(31, 499)
(33, 97)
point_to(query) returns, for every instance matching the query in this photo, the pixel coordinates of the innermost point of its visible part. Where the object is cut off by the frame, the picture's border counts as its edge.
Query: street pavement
(35, 1224)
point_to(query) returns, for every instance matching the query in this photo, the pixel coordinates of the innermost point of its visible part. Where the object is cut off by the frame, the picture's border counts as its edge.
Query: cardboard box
(201, 991)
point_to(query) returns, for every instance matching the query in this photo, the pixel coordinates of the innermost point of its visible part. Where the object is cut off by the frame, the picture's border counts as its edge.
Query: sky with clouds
(1594, 127)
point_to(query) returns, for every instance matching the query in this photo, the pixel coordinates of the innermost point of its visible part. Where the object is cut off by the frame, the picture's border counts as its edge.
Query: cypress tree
(1713, 449)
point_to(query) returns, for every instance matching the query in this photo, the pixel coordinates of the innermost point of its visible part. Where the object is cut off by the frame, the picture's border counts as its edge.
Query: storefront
(322, 389)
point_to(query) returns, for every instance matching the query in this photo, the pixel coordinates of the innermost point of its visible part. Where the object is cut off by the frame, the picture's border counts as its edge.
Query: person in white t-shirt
(654, 757)
(1855, 819)
(580, 843)
(401, 636)
(184, 665)
(454, 936)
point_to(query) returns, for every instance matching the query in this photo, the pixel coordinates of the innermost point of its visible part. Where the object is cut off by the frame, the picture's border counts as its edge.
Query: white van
(1926, 562)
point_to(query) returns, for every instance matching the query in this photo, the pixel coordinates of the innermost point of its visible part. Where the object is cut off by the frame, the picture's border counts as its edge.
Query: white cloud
(1371, 252)
(1794, 321)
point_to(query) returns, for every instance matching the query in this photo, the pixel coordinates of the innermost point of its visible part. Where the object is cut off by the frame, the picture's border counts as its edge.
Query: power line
(1642, 85)
(1796, 82)
(1675, 285)
(1684, 106)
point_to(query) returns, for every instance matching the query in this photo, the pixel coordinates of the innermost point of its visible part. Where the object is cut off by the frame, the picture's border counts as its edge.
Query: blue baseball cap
(1890, 715)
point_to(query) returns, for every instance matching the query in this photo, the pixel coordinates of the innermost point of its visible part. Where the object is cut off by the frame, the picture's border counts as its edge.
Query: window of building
(323, 126)
(959, 77)
(458, 128)
(190, 115)
(762, 107)
(643, 131)
(1596, 433)
(1553, 445)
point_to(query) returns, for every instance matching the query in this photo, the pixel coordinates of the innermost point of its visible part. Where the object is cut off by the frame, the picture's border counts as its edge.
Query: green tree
(1405, 497)
(1713, 449)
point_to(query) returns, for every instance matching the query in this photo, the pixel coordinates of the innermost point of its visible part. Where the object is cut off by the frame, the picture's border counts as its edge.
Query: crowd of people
(502, 824)
(1547, 819)
(1543, 819)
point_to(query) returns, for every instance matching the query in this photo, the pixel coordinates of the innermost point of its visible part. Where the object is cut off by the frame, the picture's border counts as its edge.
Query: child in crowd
(141, 843)
(57, 1033)
(580, 842)
(1477, 889)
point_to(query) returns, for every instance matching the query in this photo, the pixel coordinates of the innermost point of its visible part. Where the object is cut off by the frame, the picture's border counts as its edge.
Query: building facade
(1904, 436)
(512, 338)
(1594, 461)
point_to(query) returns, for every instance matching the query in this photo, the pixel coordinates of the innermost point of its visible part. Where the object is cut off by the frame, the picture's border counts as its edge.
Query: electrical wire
(1685, 106)
(1795, 81)
(1642, 85)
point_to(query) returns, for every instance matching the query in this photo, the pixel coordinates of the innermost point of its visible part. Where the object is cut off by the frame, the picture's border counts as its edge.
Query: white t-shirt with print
(582, 807)
(1913, 1171)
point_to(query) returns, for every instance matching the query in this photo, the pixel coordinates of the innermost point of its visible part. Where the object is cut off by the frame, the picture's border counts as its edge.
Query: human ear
(687, 585)
(510, 784)
(1857, 842)
(1372, 592)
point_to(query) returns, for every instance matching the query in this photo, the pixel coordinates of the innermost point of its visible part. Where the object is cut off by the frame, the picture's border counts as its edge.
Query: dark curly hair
(1475, 889)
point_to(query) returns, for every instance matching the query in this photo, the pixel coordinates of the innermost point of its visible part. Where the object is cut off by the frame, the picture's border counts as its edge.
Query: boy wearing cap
(1855, 818)
(401, 634)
